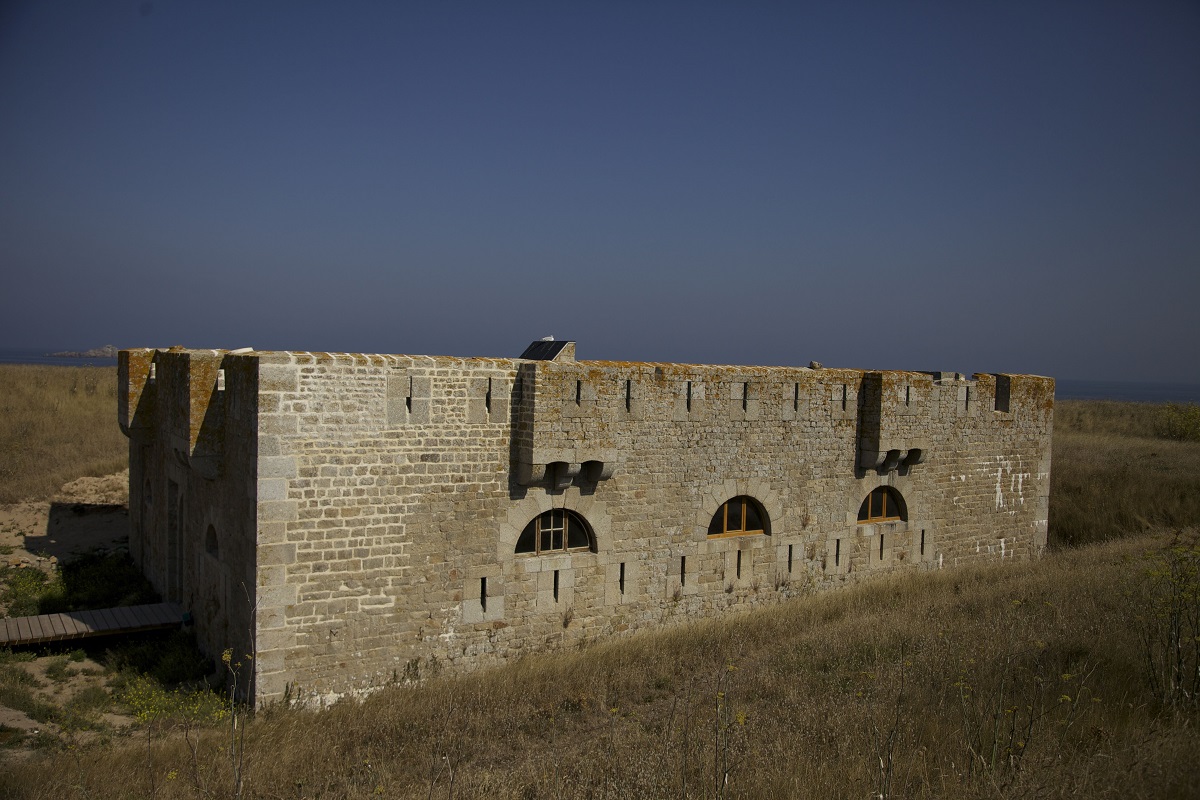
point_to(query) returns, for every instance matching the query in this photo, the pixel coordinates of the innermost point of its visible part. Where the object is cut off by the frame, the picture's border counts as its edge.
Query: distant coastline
(40, 356)
(107, 351)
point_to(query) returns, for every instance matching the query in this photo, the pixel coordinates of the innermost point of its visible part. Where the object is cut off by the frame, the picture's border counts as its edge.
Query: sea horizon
(1065, 388)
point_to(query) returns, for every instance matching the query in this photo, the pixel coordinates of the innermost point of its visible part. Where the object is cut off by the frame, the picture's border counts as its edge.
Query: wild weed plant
(1168, 600)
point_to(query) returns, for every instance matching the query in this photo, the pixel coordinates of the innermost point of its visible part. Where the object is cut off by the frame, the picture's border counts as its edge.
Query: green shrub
(21, 698)
(171, 661)
(148, 701)
(98, 580)
(22, 589)
(1180, 421)
(58, 671)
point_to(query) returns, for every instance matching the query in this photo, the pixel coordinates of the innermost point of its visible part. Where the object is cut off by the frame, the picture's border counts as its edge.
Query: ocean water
(1064, 389)
(1122, 390)
(12, 356)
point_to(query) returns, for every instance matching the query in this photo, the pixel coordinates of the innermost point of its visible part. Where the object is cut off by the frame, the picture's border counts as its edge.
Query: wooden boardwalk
(82, 624)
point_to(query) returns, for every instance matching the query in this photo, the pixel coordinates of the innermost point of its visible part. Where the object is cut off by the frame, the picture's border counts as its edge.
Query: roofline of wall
(387, 359)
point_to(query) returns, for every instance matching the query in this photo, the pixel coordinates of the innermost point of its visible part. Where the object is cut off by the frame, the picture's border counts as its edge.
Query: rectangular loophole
(907, 395)
(922, 541)
(796, 397)
(483, 594)
(628, 395)
(689, 396)
(1003, 392)
(621, 578)
(408, 397)
(791, 547)
(682, 570)
(738, 569)
(881, 547)
(487, 398)
(556, 586)
(837, 552)
(845, 392)
(745, 395)
(967, 399)
(578, 391)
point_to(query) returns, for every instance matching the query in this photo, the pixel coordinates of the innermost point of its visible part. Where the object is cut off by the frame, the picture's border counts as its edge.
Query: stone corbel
(890, 460)
(529, 474)
(563, 473)
(564, 470)
(596, 471)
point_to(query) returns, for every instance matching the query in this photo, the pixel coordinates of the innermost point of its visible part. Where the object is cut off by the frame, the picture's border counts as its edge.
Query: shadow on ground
(73, 529)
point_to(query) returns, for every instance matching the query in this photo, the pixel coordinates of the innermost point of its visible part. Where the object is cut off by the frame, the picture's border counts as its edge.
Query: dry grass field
(56, 424)
(1074, 676)
(1122, 468)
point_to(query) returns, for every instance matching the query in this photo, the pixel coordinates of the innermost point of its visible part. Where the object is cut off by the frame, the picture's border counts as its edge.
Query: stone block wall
(192, 420)
(382, 497)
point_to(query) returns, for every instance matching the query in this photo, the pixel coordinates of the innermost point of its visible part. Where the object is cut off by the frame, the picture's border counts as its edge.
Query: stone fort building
(352, 520)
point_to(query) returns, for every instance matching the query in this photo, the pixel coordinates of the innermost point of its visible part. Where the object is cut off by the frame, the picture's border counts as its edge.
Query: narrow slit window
(907, 395)
(739, 564)
(881, 547)
(487, 398)
(790, 548)
(682, 570)
(796, 397)
(556, 586)
(745, 395)
(483, 593)
(689, 396)
(621, 579)
(845, 392)
(578, 391)
(967, 399)
(837, 552)
(408, 397)
(922, 541)
(628, 395)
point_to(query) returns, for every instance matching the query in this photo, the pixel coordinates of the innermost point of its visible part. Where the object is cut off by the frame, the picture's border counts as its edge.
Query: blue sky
(1009, 186)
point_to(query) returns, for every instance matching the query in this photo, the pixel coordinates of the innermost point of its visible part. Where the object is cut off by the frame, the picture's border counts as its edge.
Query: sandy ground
(86, 515)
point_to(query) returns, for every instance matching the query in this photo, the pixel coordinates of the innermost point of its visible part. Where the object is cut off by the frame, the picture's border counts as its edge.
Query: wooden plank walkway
(81, 624)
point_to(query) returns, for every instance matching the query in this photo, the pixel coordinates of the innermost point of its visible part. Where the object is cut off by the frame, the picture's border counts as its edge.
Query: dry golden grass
(1112, 474)
(56, 424)
(1002, 680)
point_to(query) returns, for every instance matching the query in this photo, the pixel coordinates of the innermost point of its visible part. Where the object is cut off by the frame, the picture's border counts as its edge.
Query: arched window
(882, 505)
(556, 531)
(739, 517)
(210, 542)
